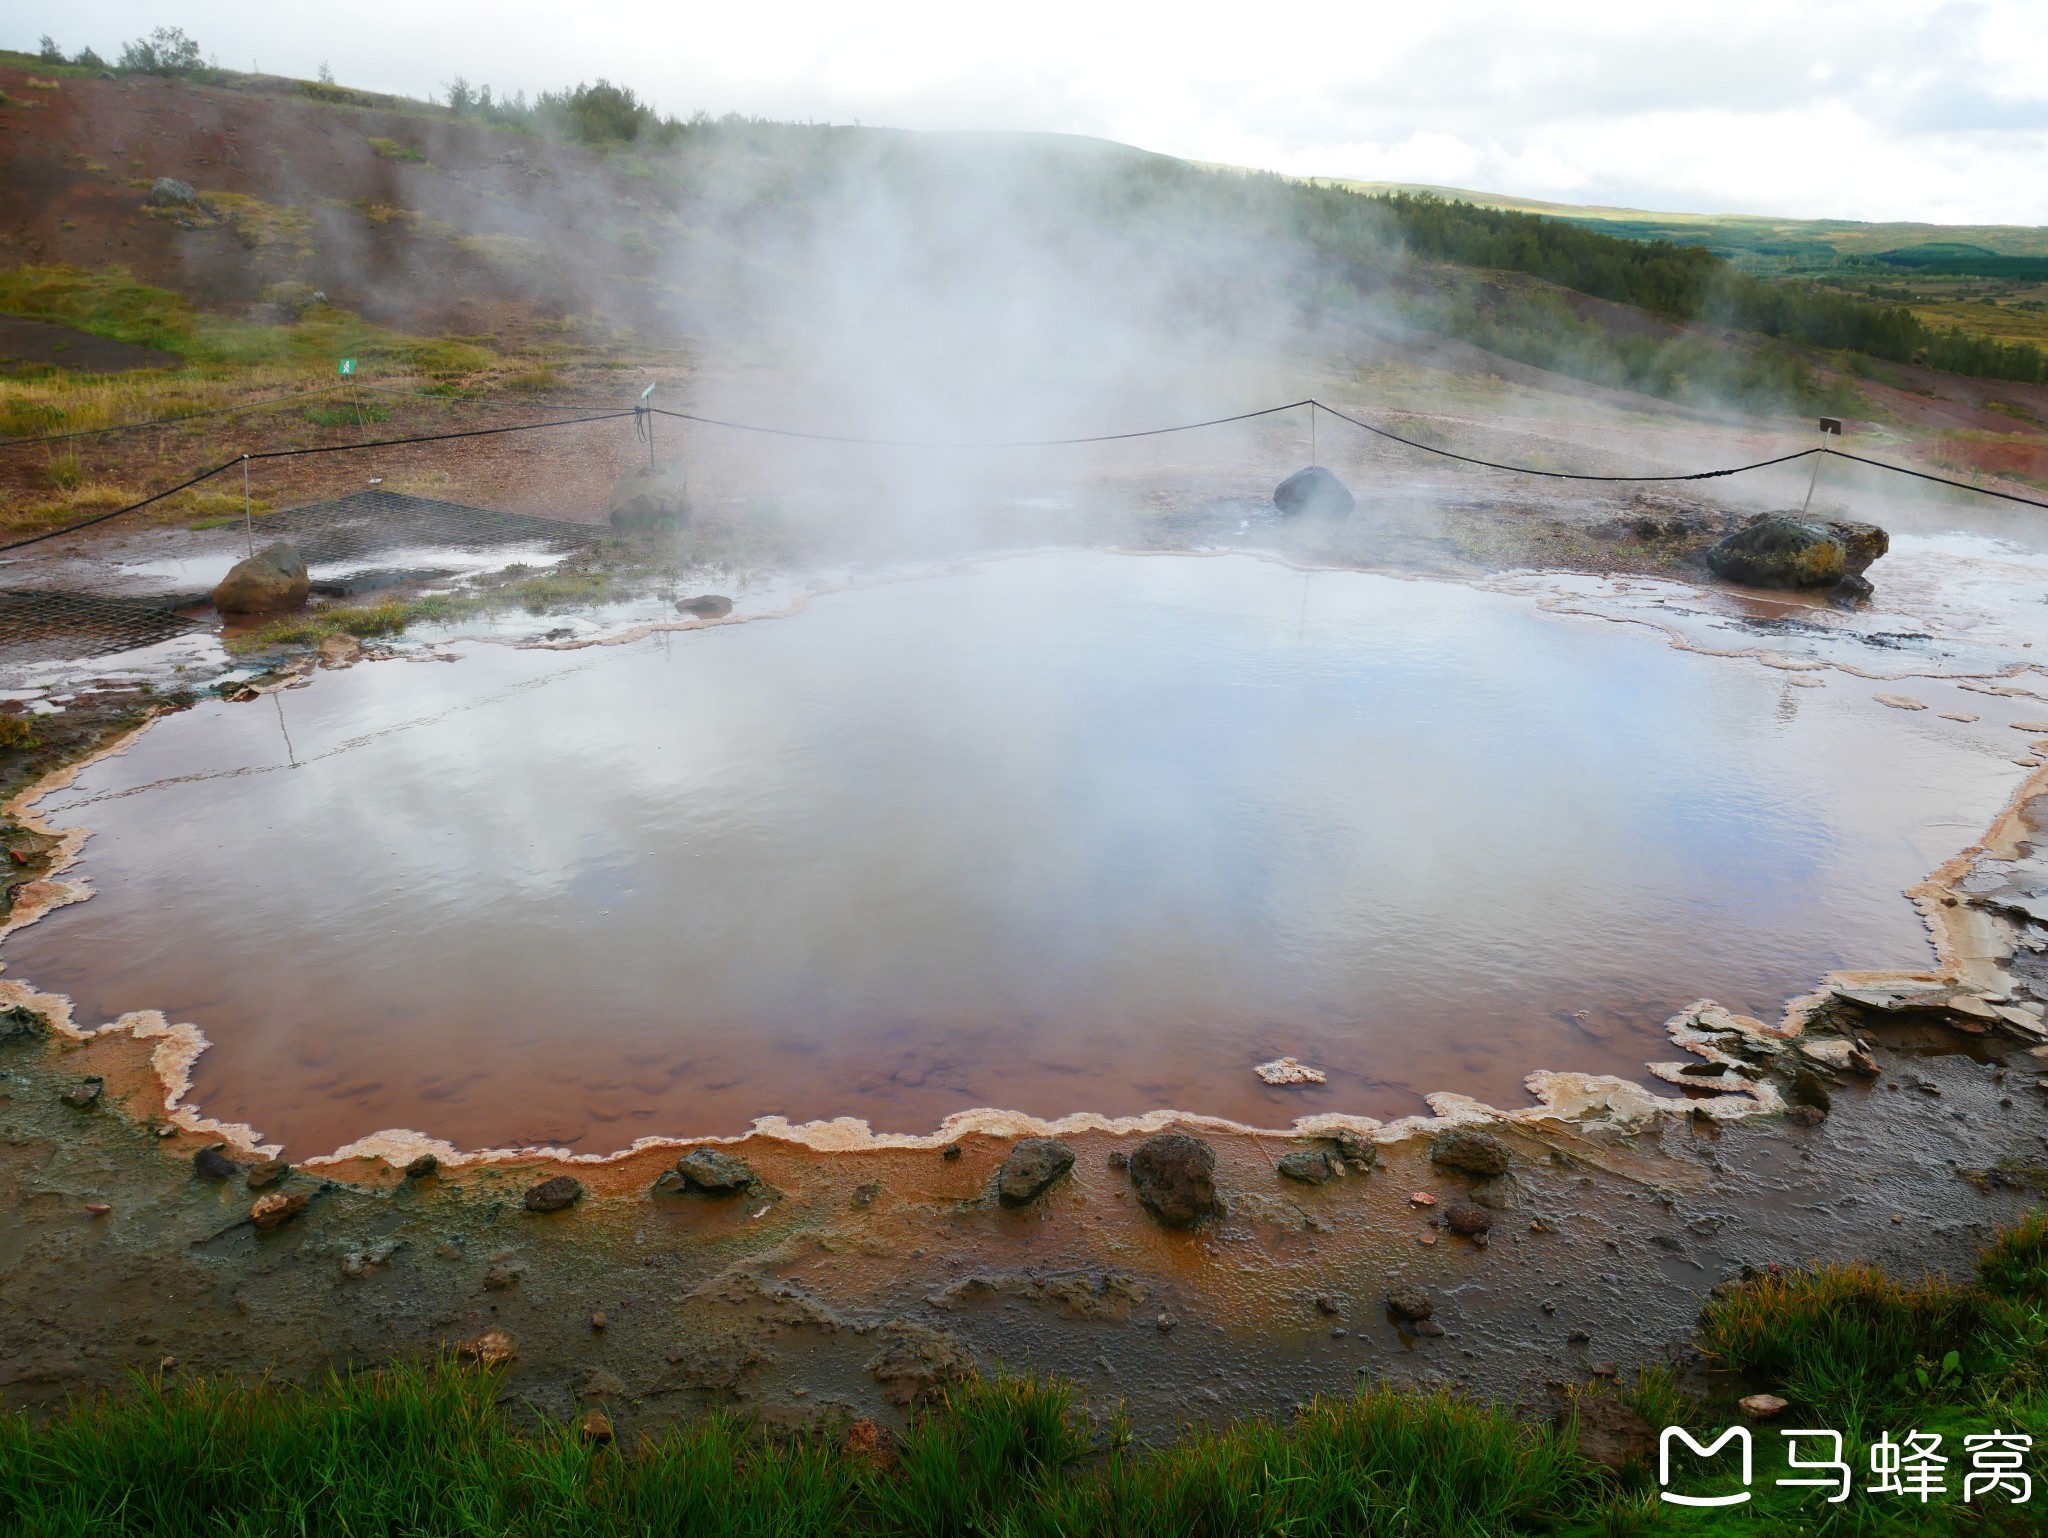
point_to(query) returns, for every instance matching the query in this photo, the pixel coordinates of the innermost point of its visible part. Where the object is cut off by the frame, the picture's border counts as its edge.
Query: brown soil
(36, 342)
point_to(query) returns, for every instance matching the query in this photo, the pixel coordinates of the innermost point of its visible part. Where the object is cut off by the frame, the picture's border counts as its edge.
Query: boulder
(1175, 1177)
(1470, 1152)
(650, 497)
(713, 1173)
(555, 1194)
(706, 605)
(1029, 1171)
(212, 1163)
(1313, 493)
(1781, 552)
(423, 1167)
(271, 581)
(1358, 1152)
(169, 192)
(1861, 543)
(1310, 1166)
(267, 1174)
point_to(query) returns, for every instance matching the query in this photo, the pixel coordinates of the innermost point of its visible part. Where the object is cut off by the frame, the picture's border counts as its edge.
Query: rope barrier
(640, 413)
(190, 416)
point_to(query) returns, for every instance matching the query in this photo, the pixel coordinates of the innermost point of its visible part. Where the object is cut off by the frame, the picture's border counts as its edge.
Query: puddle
(1069, 832)
(201, 573)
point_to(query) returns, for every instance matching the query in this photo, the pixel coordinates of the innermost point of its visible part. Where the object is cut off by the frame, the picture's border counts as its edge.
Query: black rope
(1940, 480)
(332, 448)
(190, 416)
(993, 443)
(1561, 475)
(642, 413)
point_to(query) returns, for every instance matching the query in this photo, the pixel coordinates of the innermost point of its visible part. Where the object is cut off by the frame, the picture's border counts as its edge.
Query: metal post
(1312, 434)
(1829, 427)
(647, 419)
(248, 518)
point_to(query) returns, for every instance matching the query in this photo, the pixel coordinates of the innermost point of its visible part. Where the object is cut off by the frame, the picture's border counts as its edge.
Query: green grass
(419, 1450)
(423, 1449)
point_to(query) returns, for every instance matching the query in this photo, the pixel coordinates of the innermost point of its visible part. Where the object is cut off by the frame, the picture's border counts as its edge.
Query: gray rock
(1310, 1166)
(268, 1173)
(554, 1194)
(1780, 552)
(169, 192)
(712, 1173)
(1467, 1218)
(650, 497)
(421, 1168)
(1861, 544)
(1175, 1178)
(212, 1163)
(1470, 1152)
(1313, 493)
(1410, 1304)
(1361, 1153)
(706, 606)
(271, 581)
(1808, 1090)
(86, 1092)
(1029, 1171)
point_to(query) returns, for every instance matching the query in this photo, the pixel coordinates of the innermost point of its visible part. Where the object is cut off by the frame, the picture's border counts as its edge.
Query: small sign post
(1830, 427)
(345, 367)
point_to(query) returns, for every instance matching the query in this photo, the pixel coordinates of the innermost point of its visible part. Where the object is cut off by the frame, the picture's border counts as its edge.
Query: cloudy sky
(1876, 109)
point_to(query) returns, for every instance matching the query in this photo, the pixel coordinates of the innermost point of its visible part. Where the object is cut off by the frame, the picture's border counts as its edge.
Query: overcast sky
(1876, 109)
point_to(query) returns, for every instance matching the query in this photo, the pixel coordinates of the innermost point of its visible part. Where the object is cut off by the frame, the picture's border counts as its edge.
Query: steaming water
(1071, 832)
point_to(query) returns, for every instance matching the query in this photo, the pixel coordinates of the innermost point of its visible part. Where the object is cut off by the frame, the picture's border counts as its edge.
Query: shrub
(166, 51)
(17, 735)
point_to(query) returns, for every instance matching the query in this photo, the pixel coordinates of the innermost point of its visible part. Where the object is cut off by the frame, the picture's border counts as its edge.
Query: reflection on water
(1072, 832)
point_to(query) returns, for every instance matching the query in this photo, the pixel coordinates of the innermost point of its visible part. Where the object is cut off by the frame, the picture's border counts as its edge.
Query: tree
(49, 52)
(166, 51)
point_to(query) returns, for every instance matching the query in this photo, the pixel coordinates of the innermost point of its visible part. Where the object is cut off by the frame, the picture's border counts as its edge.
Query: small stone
(1806, 1116)
(212, 1163)
(1763, 1407)
(98, 1209)
(422, 1168)
(952, 1152)
(490, 1348)
(1468, 1219)
(598, 1320)
(273, 1209)
(1310, 1166)
(864, 1195)
(167, 1364)
(1426, 1327)
(1422, 1199)
(1361, 1153)
(1425, 1239)
(1604, 1370)
(595, 1427)
(1578, 1338)
(1030, 1170)
(85, 1092)
(1330, 1304)
(1898, 1217)
(268, 1173)
(1549, 1307)
(712, 1173)
(1339, 1333)
(1119, 1160)
(1166, 1322)
(1470, 1152)
(1410, 1303)
(554, 1194)
(502, 1275)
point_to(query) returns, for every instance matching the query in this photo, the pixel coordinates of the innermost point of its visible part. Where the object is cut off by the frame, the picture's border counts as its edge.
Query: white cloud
(1873, 109)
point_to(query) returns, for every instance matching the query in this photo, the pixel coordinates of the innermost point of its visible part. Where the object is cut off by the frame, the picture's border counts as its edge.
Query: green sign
(346, 367)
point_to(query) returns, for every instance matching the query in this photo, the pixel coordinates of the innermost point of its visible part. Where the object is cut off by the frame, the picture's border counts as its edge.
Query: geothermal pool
(1066, 832)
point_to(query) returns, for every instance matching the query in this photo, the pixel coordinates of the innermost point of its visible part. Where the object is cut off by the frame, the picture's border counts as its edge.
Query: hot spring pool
(1066, 832)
